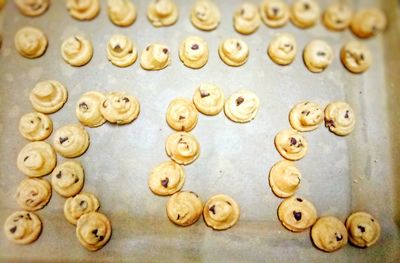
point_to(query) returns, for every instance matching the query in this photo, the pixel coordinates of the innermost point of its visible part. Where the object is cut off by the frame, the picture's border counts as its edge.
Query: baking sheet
(340, 175)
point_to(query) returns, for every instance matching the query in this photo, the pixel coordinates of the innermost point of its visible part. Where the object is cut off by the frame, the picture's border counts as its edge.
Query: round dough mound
(282, 49)
(33, 194)
(306, 116)
(48, 96)
(356, 56)
(77, 51)
(340, 118)
(274, 13)
(329, 234)
(35, 126)
(30, 42)
(368, 22)
(364, 230)
(297, 214)
(155, 57)
(182, 147)
(166, 178)
(121, 51)
(246, 19)
(337, 17)
(83, 9)
(242, 106)
(78, 205)
(221, 212)
(317, 55)
(193, 52)
(182, 115)
(284, 178)
(209, 99)
(71, 140)
(184, 208)
(120, 108)
(68, 178)
(162, 13)
(205, 15)
(22, 227)
(304, 13)
(121, 12)
(93, 230)
(233, 52)
(36, 159)
(32, 7)
(291, 144)
(88, 109)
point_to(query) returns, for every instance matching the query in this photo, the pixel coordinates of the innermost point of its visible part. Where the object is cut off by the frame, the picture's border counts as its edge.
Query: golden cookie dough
(184, 208)
(162, 13)
(121, 12)
(337, 17)
(297, 214)
(155, 57)
(2, 4)
(317, 55)
(291, 144)
(48, 96)
(205, 15)
(364, 230)
(368, 22)
(209, 99)
(120, 108)
(340, 118)
(35, 126)
(221, 212)
(356, 56)
(77, 51)
(121, 51)
(33, 194)
(30, 42)
(36, 159)
(83, 9)
(22, 227)
(233, 52)
(246, 19)
(32, 7)
(71, 140)
(80, 204)
(242, 106)
(306, 116)
(88, 109)
(166, 178)
(193, 52)
(304, 13)
(182, 115)
(329, 234)
(67, 178)
(182, 147)
(284, 178)
(274, 13)
(282, 49)
(93, 230)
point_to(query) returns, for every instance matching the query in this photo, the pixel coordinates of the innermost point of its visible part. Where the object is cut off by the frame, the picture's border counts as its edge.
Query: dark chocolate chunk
(321, 53)
(212, 209)
(338, 21)
(125, 99)
(117, 48)
(329, 123)
(362, 229)
(195, 47)
(13, 229)
(347, 114)
(239, 101)
(293, 141)
(28, 216)
(83, 106)
(104, 104)
(299, 199)
(26, 158)
(372, 220)
(229, 203)
(147, 48)
(62, 140)
(242, 11)
(77, 39)
(31, 121)
(165, 182)
(238, 46)
(306, 6)
(182, 118)
(76, 180)
(101, 238)
(361, 56)
(165, 50)
(275, 11)
(204, 94)
(59, 175)
(194, 194)
(179, 216)
(338, 236)
(94, 232)
(83, 204)
(297, 215)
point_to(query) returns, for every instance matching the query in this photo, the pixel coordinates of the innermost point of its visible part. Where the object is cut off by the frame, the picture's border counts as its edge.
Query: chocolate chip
(77, 39)
(28, 216)
(62, 140)
(362, 56)
(297, 215)
(76, 180)
(125, 99)
(228, 203)
(338, 236)
(104, 104)
(242, 11)
(299, 199)
(329, 123)
(204, 94)
(13, 229)
(321, 53)
(372, 220)
(26, 158)
(117, 48)
(179, 216)
(182, 118)
(83, 204)
(212, 209)
(362, 229)
(306, 6)
(338, 21)
(194, 194)
(293, 141)
(195, 47)
(239, 101)
(94, 232)
(59, 175)
(32, 122)
(165, 50)
(28, 201)
(238, 46)
(147, 48)
(347, 114)
(101, 238)
(165, 182)
(83, 106)
(275, 11)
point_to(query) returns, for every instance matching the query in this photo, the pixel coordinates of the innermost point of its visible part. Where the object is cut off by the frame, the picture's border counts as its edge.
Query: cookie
(36, 159)
(368, 22)
(67, 178)
(317, 55)
(155, 57)
(162, 13)
(35, 126)
(166, 178)
(246, 19)
(364, 230)
(83, 10)
(209, 99)
(337, 17)
(284, 178)
(242, 106)
(93, 230)
(88, 109)
(33, 194)
(291, 144)
(297, 214)
(184, 208)
(274, 13)
(77, 51)
(30, 42)
(80, 204)
(71, 140)
(329, 234)
(121, 51)
(121, 12)
(182, 115)
(120, 108)
(282, 49)
(182, 147)
(306, 116)
(356, 56)
(221, 212)
(48, 96)
(193, 52)
(22, 227)
(233, 52)
(340, 118)
(304, 13)
(32, 7)
(2, 4)
(205, 15)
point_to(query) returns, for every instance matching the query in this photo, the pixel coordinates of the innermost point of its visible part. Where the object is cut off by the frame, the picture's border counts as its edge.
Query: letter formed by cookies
(184, 208)
(242, 106)
(93, 230)
(297, 214)
(306, 116)
(33, 194)
(166, 178)
(291, 144)
(83, 9)
(22, 227)
(221, 212)
(182, 115)
(205, 15)
(317, 55)
(246, 19)
(193, 52)
(282, 49)
(162, 13)
(233, 52)
(71, 140)
(77, 51)
(340, 118)
(209, 99)
(121, 12)
(368, 22)
(48, 96)
(356, 56)
(304, 13)
(121, 51)
(80, 204)
(155, 57)
(329, 234)
(67, 178)
(364, 230)
(182, 147)
(35, 126)
(284, 178)
(274, 13)
(88, 109)
(32, 7)
(337, 17)
(36, 159)
(30, 42)
(120, 108)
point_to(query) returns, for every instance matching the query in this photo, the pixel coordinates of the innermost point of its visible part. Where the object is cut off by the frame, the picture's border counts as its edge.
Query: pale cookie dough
(22, 227)
(83, 9)
(297, 214)
(284, 178)
(182, 147)
(221, 212)
(35, 126)
(306, 116)
(32, 7)
(209, 99)
(121, 51)
(182, 115)
(304, 13)
(121, 12)
(364, 230)
(368, 22)
(71, 140)
(93, 230)
(36, 159)
(48, 96)
(282, 49)
(274, 13)
(193, 52)
(67, 178)
(317, 55)
(88, 109)
(329, 234)
(242, 106)
(340, 118)
(77, 51)
(166, 178)
(246, 19)
(33, 194)
(356, 56)
(30, 42)
(291, 144)
(337, 17)
(233, 52)
(205, 15)
(184, 208)
(162, 12)
(80, 204)
(155, 57)
(120, 108)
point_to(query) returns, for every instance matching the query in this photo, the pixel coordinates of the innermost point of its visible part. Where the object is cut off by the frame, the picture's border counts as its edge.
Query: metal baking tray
(341, 175)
